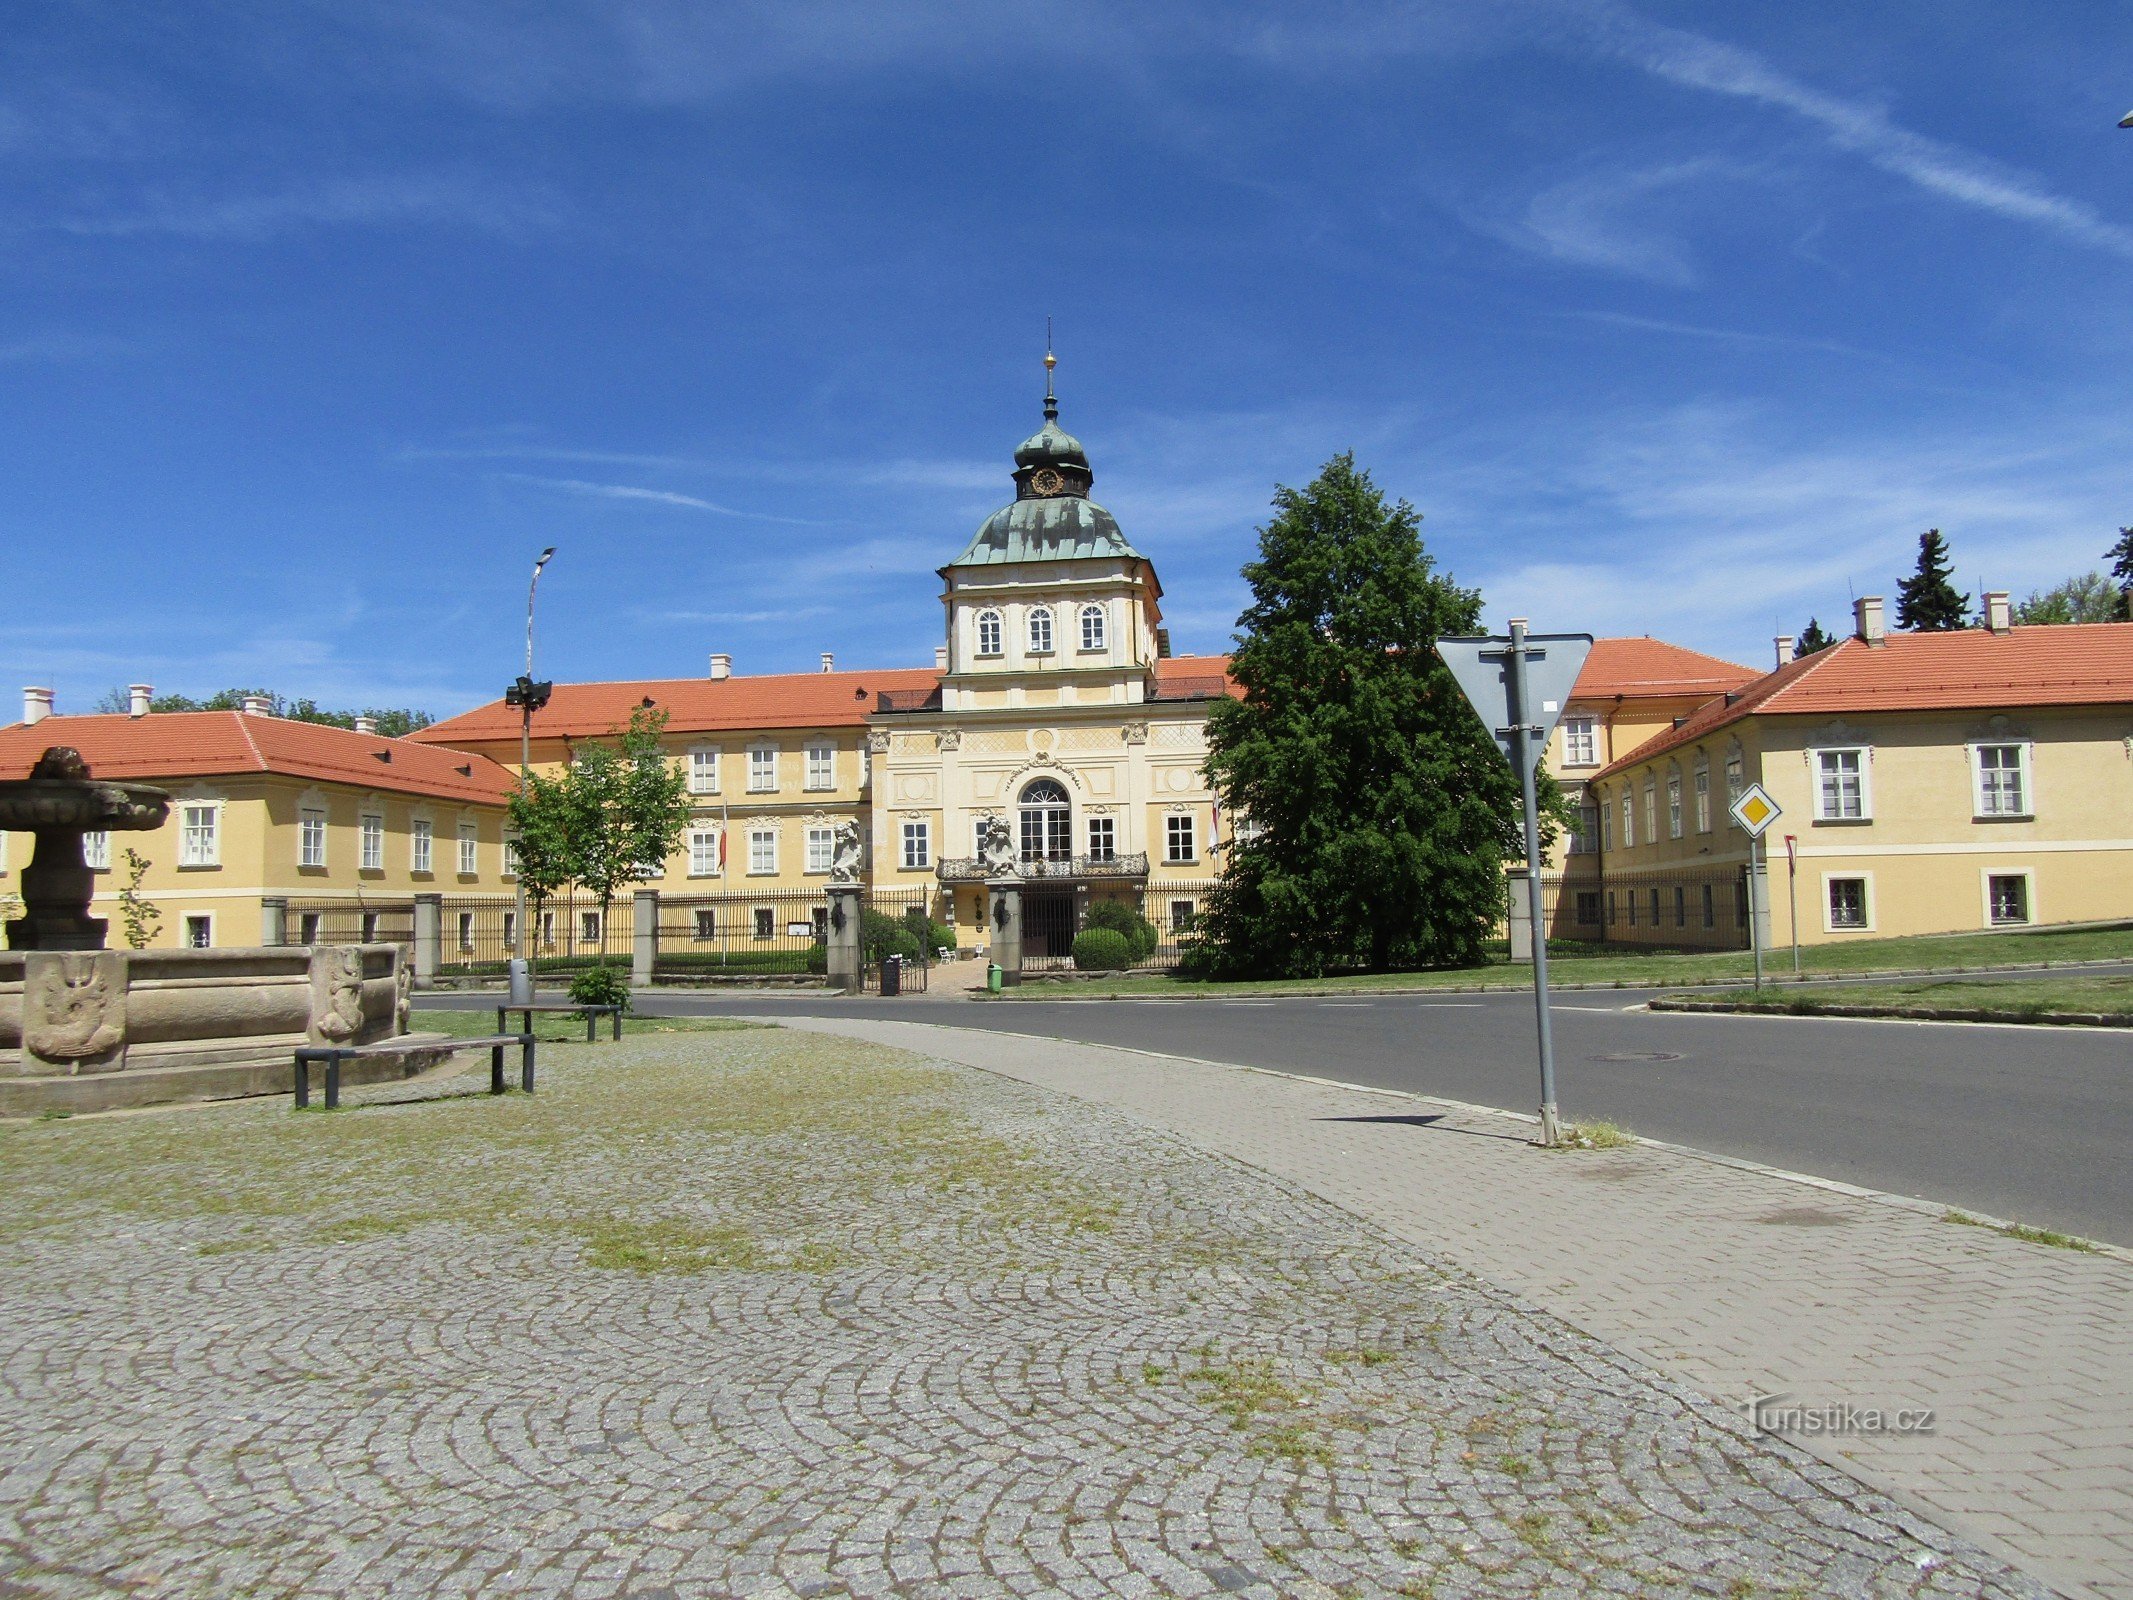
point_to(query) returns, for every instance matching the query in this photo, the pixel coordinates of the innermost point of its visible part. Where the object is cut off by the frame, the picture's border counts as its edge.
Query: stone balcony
(969, 869)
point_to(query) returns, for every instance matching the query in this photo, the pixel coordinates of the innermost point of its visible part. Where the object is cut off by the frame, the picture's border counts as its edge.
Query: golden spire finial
(1051, 403)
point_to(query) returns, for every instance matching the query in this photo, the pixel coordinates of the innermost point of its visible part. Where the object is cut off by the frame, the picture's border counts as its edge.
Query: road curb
(1817, 1008)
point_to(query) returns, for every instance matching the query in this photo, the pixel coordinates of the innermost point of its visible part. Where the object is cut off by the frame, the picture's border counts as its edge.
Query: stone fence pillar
(1521, 914)
(1005, 916)
(644, 940)
(846, 965)
(429, 938)
(274, 920)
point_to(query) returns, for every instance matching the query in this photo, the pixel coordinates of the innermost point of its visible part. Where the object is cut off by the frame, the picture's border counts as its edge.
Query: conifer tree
(1381, 809)
(1926, 602)
(1813, 639)
(2121, 559)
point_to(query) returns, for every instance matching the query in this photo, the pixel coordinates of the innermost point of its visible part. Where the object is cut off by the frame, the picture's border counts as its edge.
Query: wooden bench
(332, 1055)
(525, 1015)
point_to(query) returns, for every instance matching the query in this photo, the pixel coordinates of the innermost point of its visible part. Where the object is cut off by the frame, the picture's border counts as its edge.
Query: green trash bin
(992, 977)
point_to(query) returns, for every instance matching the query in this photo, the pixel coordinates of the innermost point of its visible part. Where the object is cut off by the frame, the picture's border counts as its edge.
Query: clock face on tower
(1046, 481)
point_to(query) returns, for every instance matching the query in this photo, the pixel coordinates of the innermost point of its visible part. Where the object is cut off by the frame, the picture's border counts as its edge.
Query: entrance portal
(1047, 925)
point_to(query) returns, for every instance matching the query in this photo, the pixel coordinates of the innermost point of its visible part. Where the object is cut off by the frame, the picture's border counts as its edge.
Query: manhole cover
(1641, 1055)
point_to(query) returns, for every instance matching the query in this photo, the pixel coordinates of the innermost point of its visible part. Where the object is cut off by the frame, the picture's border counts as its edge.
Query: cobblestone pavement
(767, 1313)
(1737, 1282)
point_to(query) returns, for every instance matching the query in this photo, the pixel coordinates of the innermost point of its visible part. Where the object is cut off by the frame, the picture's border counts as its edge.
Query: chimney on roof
(1867, 621)
(366, 723)
(940, 658)
(139, 696)
(258, 705)
(36, 705)
(1999, 617)
(1784, 643)
(1162, 644)
(721, 664)
(829, 662)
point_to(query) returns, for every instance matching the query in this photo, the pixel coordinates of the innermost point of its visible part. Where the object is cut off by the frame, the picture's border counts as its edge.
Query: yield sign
(1483, 670)
(1755, 810)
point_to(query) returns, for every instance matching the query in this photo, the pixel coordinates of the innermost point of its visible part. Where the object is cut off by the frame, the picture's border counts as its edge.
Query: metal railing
(310, 922)
(1688, 907)
(970, 869)
(478, 935)
(776, 931)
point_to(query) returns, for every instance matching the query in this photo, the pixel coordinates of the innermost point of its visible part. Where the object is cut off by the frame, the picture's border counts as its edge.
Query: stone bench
(332, 1056)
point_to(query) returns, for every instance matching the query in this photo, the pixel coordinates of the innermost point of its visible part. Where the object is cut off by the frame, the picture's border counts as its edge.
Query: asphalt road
(2027, 1123)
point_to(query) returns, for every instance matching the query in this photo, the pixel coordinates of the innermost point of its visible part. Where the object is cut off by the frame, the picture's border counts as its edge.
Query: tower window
(1092, 627)
(1040, 631)
(988, 633)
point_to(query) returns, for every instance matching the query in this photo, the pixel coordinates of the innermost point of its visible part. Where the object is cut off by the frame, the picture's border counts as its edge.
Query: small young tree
(542, 816)
(628, 806)
(139, 915)
(2091, 597)
(1385, 813)
(1926, 601)
(1813, 639)
(2120, 556)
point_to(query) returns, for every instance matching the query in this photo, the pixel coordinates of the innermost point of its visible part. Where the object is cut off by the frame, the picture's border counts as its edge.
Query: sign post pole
(1523, 757)
(1754, 811)
(1755, 907)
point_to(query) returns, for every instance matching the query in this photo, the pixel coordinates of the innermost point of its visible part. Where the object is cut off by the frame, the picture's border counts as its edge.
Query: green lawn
(2016, 999)
(1571, 961)
(560, 1026)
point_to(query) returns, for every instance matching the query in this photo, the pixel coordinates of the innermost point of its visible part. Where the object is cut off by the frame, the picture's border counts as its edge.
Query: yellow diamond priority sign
(1755, 810)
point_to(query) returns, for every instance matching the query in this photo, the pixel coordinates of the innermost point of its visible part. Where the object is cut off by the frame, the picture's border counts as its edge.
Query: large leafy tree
(393, 722)
(2090, 597)
(1813, 639)
(1926, 601)
(1382, 812)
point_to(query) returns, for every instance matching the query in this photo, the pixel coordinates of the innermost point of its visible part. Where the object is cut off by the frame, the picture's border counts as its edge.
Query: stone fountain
(85, 1028)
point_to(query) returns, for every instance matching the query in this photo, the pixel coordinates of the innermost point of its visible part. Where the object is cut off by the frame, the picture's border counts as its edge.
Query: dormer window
(988, 633)
(1092, 627)
(1040, 631)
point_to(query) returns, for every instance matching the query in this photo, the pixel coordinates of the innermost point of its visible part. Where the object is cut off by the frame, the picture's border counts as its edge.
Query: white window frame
(703, 771)
(1817, 755)
(1736, 781)
(1108, 826)
(421, 845)
(703, 852)
(1829, 923)
(1629, 816)
(96, 850)
(762, 852)
(469, 849)
(1651, 810)
(1673, 805)
(1095, 629)
(1703, 796)
(466, 930)
(762, 769)
(1607, 821)
(311, 835)
(2028, 876)
(991, 631)
(199, 833)
(915, 838)
(510, 926)
(589, 930)
(1191, 823)
(821, 848)
(186, 924)
(2024, 776)
(370, 845)
(1581, 741)
(821, 764)
(510, 855)
(1037, 629)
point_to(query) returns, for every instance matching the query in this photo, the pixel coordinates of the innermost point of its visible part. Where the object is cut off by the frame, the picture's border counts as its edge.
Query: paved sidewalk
(1740, 1283)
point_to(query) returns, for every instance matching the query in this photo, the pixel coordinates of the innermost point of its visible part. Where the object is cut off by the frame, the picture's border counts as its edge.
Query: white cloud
(1620, 219)
(664, 497)
(372, 201)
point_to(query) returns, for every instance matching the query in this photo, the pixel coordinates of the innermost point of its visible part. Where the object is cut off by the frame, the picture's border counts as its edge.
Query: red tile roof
(1652, 668)
(1194, 678)
(204, 744)
(1964, 669)
(693, 705)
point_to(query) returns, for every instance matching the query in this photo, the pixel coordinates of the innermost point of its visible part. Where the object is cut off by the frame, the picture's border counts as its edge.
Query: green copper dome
(1052, 517)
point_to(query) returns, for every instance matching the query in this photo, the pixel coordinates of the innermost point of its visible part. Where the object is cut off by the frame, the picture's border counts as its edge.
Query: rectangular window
(372, 858)
(199, 933)
(1607, 820)
(307, 927)
(548, 930)
(589, 928)
(369, 923)
(1584, 837)
(762, 850)
(96, 851)
(1103, 839)
(1655, 905)
(311, 839)
(1710, 908)
(1178, 840)
(703, 853)
(1581, 741)
(1651, 813)
(510, 930)
(1588, 908)
(2002, 780)
(706, 923)
(2007, 894)
(703, 772)
(1632, 908)
(1681, 906)
(822, 766)
(1847, 902)
(1181, 914)
(466, 930)
(766, 922)
(821, 848)
(469, 850)
(422, 843)
(1673, 806)
(819, 919)
(762, 769)
(199, 836)
(918, 846)
(1840, 789)
(1703, 799)
(1629, 819)
(510, 857)
(1736, 781)
(1611, 908)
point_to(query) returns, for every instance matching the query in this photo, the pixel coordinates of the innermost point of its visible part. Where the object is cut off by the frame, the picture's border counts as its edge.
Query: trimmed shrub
(1102, 950)
(600, 985)
(1121, 919)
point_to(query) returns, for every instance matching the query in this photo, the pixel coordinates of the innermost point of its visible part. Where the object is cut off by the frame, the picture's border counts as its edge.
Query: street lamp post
(529, 696)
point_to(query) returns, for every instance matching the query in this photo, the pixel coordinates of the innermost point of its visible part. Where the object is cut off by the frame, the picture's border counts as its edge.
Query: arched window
(1040, 631)
(1047, 822)
(988, 633)
(1092, 627)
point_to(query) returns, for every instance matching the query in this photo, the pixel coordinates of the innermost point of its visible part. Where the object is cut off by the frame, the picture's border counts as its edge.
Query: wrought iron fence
(1687, 907)
(477, 936)
(311, 922)
(738, 935)
(971, 869)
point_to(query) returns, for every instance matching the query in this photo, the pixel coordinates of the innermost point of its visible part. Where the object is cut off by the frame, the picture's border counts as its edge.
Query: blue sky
(318, 320)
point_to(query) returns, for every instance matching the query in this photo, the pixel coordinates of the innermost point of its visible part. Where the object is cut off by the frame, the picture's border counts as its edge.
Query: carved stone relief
(74, 1007)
